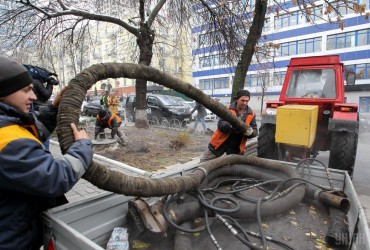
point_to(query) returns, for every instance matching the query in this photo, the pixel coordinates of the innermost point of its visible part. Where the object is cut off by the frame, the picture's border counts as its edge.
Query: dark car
(92, 108)
(160, 107)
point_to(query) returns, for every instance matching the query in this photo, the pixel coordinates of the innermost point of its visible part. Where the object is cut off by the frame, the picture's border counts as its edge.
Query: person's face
(242, 102)
(21, 99)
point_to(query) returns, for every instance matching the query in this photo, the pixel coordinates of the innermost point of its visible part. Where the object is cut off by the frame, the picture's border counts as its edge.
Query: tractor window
(312, 83)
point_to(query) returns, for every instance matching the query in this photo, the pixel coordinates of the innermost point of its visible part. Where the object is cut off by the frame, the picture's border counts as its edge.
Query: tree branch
(155, 12)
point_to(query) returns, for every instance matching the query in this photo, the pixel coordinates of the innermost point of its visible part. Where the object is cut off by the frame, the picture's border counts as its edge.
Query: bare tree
(38, 21)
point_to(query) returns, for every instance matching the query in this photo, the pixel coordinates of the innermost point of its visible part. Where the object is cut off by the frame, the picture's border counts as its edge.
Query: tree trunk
(249, 47)
(145, 40)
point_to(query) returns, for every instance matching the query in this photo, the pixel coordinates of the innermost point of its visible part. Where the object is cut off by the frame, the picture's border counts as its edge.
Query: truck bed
(88, 224)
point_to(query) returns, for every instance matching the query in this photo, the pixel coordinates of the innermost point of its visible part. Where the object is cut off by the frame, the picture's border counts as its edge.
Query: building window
(204, 40)
(221, 83)
(205, 84)
(362, 71)
(364, 104)
(279, 78)
(288, 49)
(256, 80)
(343, 40)
(363, 37)
(212, 60)
(300, 47)
(297, 17)
(214, 83)
(205, 61)
(309, 45)
(266, 26)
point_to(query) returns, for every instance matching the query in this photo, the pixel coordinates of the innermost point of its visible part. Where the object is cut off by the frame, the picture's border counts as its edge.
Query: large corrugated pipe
(110, 180)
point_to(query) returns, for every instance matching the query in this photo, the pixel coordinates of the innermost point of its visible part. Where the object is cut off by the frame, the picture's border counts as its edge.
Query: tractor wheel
(343, 151)
(267, 147)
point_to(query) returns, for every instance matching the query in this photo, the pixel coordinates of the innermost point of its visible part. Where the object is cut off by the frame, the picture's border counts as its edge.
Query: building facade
(344, 33)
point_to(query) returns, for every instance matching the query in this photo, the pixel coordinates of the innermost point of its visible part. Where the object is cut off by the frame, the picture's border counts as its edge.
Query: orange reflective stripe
(218, 138)
(118, 119)
(14, 132)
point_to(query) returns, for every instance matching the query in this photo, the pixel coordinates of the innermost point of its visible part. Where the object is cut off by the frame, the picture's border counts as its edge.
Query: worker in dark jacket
(201, 114)
(106, 119)
(227, 139)
(31, 180)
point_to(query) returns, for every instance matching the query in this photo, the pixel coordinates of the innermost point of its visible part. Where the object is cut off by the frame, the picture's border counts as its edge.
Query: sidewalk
(83, 189)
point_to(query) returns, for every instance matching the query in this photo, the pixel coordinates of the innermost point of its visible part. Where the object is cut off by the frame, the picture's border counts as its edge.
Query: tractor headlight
(271, 111)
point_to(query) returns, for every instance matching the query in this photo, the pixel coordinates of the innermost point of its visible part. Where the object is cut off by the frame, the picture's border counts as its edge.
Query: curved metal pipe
(328, 198)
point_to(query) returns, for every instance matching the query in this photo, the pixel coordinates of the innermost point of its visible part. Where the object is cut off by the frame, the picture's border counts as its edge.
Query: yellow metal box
(296, 125)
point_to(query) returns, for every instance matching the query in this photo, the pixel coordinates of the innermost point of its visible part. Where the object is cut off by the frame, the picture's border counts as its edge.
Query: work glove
(225, 127)
(249, 131)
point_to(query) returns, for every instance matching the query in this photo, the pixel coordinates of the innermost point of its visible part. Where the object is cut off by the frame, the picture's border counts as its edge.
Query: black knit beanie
(13, 76)
(242, 93)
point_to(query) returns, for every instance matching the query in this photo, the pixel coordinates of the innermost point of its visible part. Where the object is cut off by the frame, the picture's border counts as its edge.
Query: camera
(52, 81)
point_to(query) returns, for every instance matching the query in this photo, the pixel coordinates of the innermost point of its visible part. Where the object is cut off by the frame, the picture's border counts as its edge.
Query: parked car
(92, 108)
(159, 107)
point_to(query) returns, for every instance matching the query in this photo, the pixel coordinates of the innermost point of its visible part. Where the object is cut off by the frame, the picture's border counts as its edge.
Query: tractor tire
(267, 147)
(343, 151)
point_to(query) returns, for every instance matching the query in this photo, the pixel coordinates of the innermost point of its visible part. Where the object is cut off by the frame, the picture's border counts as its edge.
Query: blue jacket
(31, 179)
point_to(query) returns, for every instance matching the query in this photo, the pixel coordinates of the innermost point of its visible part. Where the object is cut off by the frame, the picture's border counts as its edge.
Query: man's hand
(56, 100)
(78, 135)
(249, 131)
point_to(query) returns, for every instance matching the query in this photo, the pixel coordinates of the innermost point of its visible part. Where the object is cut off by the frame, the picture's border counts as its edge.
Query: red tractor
(311, 115)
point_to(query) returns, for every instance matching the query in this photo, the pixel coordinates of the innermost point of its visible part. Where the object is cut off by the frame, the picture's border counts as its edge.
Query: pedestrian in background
(105, 119)
(227, 139)
(104, 100)
(113, 103)
(201, 114)
(31, 180)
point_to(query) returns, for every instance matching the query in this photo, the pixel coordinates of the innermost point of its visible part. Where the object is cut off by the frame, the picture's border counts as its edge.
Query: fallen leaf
(265, 225)
(137, 244)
